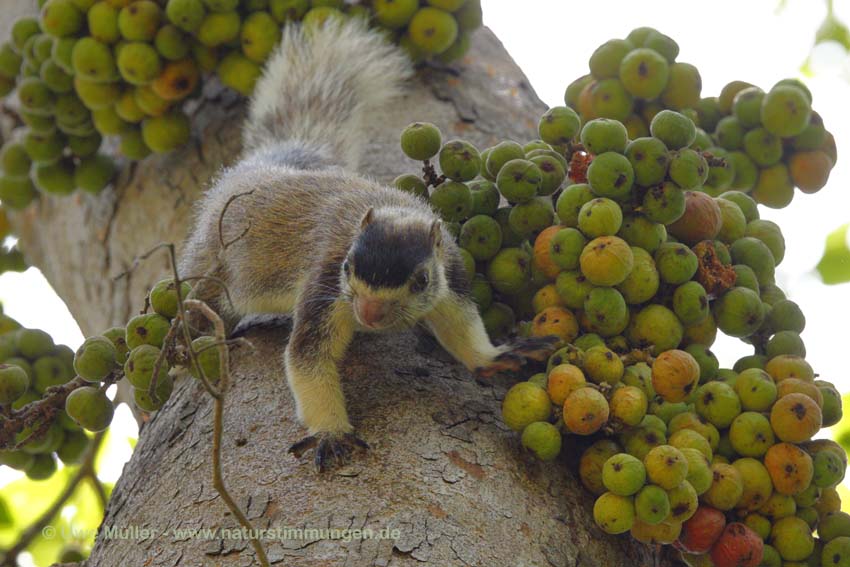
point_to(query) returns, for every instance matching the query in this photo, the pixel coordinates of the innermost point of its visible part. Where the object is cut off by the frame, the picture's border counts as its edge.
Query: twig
(181, 316)
(181, 322)
(138, 260)
(239, 341)
(27, 536)
(713, 160)
(181, 311)
(220, 333)
(218, 422)
(160, 358)
(226, 245)
(42, 410)
(37, 433)
(99, 489)
(430, 174)
(637, 355)
(759, 341)
(49, 414)
(213, 279)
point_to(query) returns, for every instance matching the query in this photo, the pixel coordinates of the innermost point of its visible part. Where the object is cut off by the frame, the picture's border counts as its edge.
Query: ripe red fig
(701, 221)
(738, 546)
(702, 530)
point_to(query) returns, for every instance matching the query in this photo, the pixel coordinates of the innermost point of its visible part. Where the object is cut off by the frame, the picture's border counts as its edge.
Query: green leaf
(45, 551)
(833, 29)
(88, 513)
(834, 266)
(6, 519)
(27, 499)
(806, 68)
(76, 523)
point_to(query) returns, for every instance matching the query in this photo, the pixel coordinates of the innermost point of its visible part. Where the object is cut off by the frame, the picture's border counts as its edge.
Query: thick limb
(321, 334)
(320, 337)
(456, 323)
(458, 327)
(318, 394)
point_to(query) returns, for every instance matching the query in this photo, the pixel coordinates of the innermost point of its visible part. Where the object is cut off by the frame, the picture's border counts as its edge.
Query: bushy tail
(319, 87)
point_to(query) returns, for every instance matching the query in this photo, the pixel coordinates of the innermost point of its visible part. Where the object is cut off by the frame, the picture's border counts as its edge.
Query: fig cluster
(143, 350)
(633, 235)
(87, 70)
(31, 364)
(770, 141)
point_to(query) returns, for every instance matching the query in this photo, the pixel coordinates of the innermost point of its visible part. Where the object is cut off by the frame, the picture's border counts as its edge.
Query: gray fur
(296, 213)
(321, 85)
(291, 153)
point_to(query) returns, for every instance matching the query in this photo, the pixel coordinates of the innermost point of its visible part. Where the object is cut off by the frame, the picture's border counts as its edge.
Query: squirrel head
(394, 271)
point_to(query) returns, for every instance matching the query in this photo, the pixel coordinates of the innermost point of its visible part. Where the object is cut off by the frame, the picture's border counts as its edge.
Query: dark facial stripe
(387, 256)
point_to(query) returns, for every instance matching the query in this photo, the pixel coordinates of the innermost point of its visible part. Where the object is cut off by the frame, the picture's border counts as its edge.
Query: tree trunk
(443, 472)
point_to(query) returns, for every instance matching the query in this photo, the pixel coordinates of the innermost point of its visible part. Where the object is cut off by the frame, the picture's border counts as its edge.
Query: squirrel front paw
(332, 450)
(516, 353)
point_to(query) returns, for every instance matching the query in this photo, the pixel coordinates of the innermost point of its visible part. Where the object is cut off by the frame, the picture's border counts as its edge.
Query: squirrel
(291, 229)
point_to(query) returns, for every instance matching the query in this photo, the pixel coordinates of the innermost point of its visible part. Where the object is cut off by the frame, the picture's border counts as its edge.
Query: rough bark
(443, 470)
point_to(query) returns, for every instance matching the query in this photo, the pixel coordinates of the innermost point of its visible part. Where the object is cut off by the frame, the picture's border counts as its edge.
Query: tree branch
(39, 412)
(99, 489)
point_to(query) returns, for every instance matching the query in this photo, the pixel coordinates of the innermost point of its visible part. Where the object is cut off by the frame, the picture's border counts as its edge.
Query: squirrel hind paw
(331, 450)
(517, 353)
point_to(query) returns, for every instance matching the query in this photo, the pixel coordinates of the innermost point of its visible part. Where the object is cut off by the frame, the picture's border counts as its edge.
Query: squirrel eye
(346, 267)
(420, 282)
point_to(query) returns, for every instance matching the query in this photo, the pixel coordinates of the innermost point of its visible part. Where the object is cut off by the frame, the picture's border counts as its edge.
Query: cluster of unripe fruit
(637, 226)
(737, 450)
(634, 243)
(770, 142)
(30, 364)
(89, 69)
(426, 29)
(31, 367)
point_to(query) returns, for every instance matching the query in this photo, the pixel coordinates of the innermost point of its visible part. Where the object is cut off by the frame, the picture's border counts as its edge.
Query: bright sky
(552, 41)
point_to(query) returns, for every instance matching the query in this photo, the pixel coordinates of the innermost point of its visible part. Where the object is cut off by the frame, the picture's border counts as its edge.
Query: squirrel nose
(371, 311)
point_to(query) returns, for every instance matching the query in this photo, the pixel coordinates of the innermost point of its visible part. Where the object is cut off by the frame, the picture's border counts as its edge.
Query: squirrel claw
(299, 448)
(332, 451)
(505, 362)
(534, 348)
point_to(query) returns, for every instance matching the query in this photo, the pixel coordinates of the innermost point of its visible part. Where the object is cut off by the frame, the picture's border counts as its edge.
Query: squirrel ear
(436, 232)
(367, 218)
